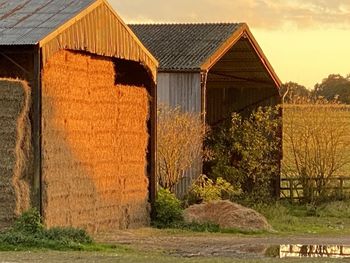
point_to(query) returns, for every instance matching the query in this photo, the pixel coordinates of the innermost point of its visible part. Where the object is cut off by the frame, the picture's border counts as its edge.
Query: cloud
(268, 14)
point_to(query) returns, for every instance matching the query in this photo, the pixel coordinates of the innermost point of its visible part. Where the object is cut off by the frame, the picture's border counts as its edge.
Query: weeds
(287, 218)
(28, 232)
(168, 210)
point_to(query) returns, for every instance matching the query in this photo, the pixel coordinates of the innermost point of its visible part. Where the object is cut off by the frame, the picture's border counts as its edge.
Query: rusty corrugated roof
(26, 22)
(184, 46)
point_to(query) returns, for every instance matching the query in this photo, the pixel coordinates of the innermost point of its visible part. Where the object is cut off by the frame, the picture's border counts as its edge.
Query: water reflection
(313, 251)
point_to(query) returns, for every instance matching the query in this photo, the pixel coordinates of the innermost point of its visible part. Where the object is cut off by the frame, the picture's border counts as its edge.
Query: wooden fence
(292, 187)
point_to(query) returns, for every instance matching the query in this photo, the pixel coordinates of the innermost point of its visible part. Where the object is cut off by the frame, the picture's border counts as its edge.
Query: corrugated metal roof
(26, 22)
(184, 46)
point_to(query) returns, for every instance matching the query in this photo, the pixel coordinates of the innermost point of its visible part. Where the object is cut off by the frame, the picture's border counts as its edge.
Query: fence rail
(292, 187)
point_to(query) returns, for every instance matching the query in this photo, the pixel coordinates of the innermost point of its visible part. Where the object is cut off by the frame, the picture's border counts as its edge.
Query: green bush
(29, 222)
(29, 232)
(168, 209)
(205, 190)
(246, 153)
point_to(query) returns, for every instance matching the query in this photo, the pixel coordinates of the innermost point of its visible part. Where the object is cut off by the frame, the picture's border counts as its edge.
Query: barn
(213, 69)
(77, 115)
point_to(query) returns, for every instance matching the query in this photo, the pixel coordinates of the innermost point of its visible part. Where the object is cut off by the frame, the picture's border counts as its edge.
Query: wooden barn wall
(99, 31)
(183, 90)
(186, 182)
(221, 102)
(94, 141)
(180, 89)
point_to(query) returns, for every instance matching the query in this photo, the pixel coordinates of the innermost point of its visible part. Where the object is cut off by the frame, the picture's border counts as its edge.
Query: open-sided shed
(91, 102)
(213, 69)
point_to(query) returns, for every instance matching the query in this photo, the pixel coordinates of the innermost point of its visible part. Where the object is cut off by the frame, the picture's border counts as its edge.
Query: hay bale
(15, 150)
(94, 141)
(227, 215)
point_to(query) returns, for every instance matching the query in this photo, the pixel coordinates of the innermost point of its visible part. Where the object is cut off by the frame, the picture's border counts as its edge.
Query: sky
(304, 40)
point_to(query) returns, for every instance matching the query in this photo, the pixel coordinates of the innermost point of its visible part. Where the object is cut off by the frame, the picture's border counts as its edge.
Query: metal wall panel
(180, 89)
(183, 90)
(99, 31)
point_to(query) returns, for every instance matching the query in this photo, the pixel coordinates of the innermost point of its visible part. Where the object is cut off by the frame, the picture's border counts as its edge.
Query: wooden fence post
(341, 186)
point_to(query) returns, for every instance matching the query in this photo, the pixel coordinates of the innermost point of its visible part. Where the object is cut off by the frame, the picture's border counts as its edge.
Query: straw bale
(94, 141)
(227, 215)
(15, 150)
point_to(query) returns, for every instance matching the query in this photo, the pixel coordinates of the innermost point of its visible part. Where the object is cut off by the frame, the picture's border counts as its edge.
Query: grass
(328, 218)
(52, 245)
(28, 233)
(188, 228)
(75, 245)
(138, 257)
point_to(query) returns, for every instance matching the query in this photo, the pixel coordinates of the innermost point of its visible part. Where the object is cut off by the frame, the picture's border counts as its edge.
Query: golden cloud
(258, 13)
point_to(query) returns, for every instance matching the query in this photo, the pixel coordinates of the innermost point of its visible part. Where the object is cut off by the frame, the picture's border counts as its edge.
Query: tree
(292, 91)
(246, 153)
(180, 143)
(334, 86)
(316, 144)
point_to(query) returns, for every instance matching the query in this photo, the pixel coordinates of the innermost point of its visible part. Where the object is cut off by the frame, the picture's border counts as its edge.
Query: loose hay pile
(15, 150)
(227, 215)
(94, 146)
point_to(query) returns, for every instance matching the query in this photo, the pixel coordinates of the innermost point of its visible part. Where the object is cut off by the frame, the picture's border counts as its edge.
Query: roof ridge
(184, 45)
(185, 23)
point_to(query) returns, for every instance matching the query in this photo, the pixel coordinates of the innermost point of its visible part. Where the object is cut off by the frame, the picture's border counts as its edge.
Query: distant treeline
(334, 87)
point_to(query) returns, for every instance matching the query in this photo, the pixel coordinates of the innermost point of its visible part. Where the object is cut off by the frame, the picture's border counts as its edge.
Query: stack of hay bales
(15, 150)
(94, 142)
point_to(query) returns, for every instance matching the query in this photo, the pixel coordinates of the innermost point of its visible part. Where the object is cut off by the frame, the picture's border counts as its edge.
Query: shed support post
(204, 78)
(152, 148)
(36, 134)
(280, 156)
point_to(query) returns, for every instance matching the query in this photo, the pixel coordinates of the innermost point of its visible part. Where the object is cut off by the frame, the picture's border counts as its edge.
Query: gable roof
(192, 47)
(184, 46)
(83, 25)
(26, 22)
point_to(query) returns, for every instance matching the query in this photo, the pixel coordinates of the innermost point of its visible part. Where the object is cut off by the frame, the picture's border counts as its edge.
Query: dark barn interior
(238, 82)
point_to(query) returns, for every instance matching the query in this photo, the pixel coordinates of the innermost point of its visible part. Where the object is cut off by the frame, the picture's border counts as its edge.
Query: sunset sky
(305, 40)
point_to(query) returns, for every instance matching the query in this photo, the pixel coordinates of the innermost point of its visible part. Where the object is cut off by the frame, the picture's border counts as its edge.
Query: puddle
(309, 251)
(259, 251)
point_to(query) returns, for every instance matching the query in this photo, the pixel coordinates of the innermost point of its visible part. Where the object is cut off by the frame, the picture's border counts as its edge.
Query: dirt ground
(56, 257)
(211, 245)
(150, 245)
